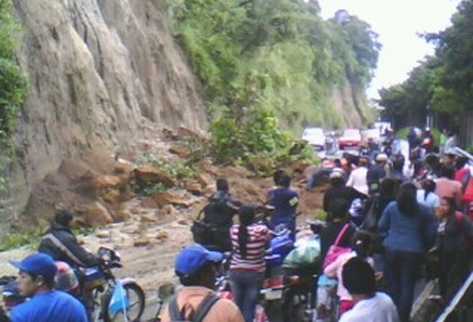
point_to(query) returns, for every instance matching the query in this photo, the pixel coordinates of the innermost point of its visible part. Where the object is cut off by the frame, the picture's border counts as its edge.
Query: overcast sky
(397, 22)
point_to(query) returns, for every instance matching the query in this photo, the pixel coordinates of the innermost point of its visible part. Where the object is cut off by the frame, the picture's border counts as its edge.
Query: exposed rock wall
(100, 71)
(350, 105)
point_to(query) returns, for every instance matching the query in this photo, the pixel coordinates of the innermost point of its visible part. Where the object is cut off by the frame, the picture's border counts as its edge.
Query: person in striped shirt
(247, 266)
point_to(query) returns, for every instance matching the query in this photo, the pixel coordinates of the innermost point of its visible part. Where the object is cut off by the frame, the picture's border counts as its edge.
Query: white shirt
(432, 201)
(358, 180)
(379, 308)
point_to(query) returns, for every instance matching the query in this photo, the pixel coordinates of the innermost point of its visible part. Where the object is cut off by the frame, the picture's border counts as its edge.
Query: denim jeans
(401, 272)
(246, 287)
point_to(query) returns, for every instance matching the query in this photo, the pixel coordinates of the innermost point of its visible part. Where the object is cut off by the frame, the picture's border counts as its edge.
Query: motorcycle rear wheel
(135, 310)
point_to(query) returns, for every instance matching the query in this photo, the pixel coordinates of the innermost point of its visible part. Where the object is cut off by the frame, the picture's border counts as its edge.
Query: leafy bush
(15, 240)
(404, 132)
(320, 214)
(32, 238)
(13, 87)
(177, 168)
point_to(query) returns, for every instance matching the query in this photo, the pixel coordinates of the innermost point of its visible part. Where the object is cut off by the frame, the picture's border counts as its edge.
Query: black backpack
(201, 230)
(208, 302)
(370, 222)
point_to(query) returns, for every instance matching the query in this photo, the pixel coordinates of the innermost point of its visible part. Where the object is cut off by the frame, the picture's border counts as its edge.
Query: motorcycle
(105, 297)
(165, 294)
(299, 293)
(112, 298)
(272, 292)
(10, 293)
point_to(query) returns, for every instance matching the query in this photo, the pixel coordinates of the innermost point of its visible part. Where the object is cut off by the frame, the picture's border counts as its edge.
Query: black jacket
(348, 194)
(457, 234)
(220, 210)
(61, 244)
(374, 176)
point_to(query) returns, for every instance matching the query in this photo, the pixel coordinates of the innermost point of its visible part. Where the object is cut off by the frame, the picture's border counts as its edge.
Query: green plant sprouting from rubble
(177, 169)
(153, 189)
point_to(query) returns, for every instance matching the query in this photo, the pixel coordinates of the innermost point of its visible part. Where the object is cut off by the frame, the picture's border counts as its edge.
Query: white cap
(381, 157)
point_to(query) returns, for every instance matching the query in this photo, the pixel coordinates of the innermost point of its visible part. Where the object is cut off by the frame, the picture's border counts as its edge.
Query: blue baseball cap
(37, 264)
(192, 258)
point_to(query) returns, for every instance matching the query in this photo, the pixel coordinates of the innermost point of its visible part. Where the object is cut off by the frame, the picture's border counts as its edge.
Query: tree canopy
(444, 82)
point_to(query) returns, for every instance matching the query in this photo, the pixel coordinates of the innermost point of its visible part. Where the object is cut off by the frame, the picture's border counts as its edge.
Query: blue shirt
(285, 201)
(52, 306)
(410, 233)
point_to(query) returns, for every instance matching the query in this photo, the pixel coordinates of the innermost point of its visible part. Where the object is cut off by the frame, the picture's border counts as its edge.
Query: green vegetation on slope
(443, 82)
(12, 88)
(268, 65)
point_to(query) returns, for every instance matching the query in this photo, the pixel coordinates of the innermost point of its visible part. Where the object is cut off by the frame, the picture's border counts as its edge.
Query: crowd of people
(419, 222)
(386, 228)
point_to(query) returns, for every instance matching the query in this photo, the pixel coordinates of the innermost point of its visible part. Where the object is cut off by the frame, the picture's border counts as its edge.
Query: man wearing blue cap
(36, 281)
(197, 302)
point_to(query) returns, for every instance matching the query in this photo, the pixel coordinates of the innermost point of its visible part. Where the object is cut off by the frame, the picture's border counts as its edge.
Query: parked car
(351, 138)
(315, 136)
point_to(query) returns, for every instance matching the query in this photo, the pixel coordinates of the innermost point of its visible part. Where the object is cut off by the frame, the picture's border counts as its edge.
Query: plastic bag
(326, 299)
(306, 253)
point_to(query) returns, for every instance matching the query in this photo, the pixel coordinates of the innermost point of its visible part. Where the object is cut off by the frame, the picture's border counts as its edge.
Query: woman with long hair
(454, 235)
(409, 231)
(247, 266)
(388, 191)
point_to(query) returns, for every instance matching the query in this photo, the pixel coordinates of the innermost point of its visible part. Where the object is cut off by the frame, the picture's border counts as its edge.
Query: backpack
(201, 230)
(468, 192)
(207, 303)
(370, 222)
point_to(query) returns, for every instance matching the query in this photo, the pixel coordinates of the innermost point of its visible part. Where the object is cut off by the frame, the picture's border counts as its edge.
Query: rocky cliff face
(350, 104)
(100, 72)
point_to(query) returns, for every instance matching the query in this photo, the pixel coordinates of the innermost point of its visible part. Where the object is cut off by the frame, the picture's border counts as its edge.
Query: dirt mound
(99, 185)
(311, 201)
(244, 186)
(76, 185)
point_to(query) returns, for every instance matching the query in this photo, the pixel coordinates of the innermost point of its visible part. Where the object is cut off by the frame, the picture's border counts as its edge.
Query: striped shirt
(258, 236)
